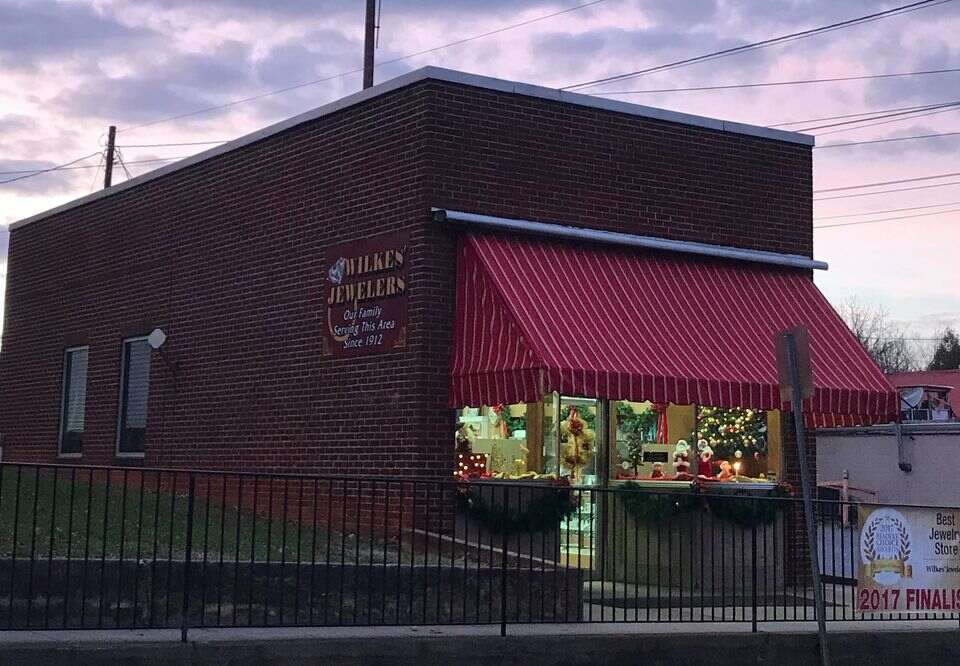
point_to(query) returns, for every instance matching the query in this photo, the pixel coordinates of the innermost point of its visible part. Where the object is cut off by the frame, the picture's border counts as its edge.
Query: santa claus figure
(704, 465)
(681, 461)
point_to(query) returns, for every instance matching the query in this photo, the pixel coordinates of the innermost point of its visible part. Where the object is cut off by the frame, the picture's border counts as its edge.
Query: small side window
(134, 397)
(74, 401)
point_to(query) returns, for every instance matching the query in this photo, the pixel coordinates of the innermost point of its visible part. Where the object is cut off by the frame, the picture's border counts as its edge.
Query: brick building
(237, 255)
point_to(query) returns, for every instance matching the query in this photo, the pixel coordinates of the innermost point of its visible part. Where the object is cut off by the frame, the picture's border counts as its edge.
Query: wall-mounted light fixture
(157, 339)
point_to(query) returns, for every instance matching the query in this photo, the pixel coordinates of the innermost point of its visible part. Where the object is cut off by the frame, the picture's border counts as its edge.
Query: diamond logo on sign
(336, 271)
(885, 547)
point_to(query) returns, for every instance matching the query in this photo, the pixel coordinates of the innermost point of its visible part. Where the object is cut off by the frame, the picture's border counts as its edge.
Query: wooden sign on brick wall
(366, 296)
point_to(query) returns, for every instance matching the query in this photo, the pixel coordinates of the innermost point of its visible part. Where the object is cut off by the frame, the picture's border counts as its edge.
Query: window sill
(131, 456)
(654, 483)
(69, 456)
(715, 486)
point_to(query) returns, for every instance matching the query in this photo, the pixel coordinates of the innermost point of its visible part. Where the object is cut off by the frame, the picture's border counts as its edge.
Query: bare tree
(885, 341)
(947, 354)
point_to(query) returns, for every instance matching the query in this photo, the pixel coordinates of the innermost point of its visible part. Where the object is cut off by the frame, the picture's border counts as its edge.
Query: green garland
(655, 506)
(740, 507)
(744, 508)
(555, 503)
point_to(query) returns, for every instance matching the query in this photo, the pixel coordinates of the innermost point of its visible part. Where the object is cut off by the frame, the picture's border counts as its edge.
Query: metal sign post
(800, 384)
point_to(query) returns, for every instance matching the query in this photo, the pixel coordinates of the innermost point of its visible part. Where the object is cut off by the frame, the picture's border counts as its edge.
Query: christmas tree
(733, 429)
(635, 450)
(638, 428)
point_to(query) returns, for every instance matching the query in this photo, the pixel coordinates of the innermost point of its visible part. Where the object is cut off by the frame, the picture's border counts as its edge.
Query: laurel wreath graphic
(869, 539)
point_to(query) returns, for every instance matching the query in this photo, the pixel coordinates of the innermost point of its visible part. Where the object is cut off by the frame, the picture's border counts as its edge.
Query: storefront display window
(683, 443)
(577, 439)
(736, 443)
(557, 437)
(649, 441)
(494, 441)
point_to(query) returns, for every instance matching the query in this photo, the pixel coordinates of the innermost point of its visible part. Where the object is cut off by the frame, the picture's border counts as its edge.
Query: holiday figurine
(657, 471)
(704, 466)
(681, 461)
(726, 471)
(578, 442)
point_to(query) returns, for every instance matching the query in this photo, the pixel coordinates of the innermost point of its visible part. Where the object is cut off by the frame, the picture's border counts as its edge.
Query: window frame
(64, 406)
(121, 403)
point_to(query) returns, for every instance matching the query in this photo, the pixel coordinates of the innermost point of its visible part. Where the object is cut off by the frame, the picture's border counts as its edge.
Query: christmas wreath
(655, 506)
(550, 504)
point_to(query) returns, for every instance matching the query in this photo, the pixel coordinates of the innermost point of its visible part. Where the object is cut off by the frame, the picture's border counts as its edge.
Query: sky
(69, 69)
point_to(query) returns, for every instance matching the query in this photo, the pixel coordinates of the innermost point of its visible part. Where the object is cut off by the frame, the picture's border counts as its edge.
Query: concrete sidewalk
(785, 644)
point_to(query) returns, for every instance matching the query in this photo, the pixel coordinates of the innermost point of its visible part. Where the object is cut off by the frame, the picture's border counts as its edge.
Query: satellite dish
(910, 397)
(157, 338)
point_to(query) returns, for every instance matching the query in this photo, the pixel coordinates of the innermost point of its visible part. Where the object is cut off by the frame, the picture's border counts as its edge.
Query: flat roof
(438, 74)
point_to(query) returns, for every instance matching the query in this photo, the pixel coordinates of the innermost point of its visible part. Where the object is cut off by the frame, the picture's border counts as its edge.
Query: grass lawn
(42, 513)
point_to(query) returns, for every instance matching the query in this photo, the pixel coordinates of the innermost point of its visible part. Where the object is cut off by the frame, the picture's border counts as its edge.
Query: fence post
(187, 557)
(503, 564)
(753, 572)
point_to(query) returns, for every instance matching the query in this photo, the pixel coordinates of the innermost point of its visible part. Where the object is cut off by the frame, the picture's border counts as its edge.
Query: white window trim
(123, 369)
(63, 402)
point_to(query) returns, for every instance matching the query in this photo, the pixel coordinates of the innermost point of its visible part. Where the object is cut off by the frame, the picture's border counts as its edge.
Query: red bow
(501, 422)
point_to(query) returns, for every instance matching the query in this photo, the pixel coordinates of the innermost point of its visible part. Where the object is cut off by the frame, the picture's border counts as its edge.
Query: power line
(886, 219)
(59, 167)
(910, 339)
(888, 182)
(769, 84)
(903, 9)
(123, 165)
(901, 189)
(34, 172)
(920, 107)
(97, 171)
(896, 138)
(881, 212)
(948, 106)
(304, 84)
(165, 145)
(944, 109)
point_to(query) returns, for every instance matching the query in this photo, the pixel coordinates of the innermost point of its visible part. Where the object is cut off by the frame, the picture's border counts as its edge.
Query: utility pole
(108, 167)
(368, 43)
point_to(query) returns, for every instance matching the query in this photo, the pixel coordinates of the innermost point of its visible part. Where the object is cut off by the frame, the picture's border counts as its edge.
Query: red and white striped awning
(535, 316)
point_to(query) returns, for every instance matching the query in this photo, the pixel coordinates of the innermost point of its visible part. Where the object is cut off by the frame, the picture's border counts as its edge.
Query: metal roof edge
(917, 428)
(623, 239)
(439, 74)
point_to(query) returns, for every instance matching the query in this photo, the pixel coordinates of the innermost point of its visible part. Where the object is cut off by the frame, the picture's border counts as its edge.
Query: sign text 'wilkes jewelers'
(366, 296)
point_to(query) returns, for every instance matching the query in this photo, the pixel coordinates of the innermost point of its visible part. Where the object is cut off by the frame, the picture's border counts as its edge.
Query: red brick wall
(228, 256)
(527, 158)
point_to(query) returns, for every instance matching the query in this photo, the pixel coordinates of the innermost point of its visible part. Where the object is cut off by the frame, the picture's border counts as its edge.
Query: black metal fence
(102, 547)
